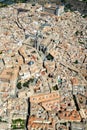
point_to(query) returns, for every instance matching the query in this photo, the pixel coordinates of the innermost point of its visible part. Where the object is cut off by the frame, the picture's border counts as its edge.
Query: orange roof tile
(44, 97)
(70, 115)
(74, 81)
(51, 105)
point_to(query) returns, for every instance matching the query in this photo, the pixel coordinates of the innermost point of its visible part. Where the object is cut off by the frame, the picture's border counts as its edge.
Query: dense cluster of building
(43, 68)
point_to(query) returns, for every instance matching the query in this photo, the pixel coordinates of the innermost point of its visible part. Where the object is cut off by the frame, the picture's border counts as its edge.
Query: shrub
(76, 62)
(55, 87)
(19, 85)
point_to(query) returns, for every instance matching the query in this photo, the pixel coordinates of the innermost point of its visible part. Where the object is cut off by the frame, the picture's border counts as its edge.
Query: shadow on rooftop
(4, 3)
(72, 5)
(28, 115)
(77, 5)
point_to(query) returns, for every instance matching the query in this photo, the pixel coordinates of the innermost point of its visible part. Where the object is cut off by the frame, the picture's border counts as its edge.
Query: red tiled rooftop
(51, 105)
(44, 97)
(74, 81)
(70, 115)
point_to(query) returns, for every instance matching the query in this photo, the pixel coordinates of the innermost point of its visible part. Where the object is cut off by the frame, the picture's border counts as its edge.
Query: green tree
(19, 86)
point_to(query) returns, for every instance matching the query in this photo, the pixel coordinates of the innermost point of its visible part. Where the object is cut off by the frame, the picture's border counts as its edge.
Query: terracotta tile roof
(9, 75)
(51, 105)
(70, 115)
(35, 122)
(44, 97)
(74, 81)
